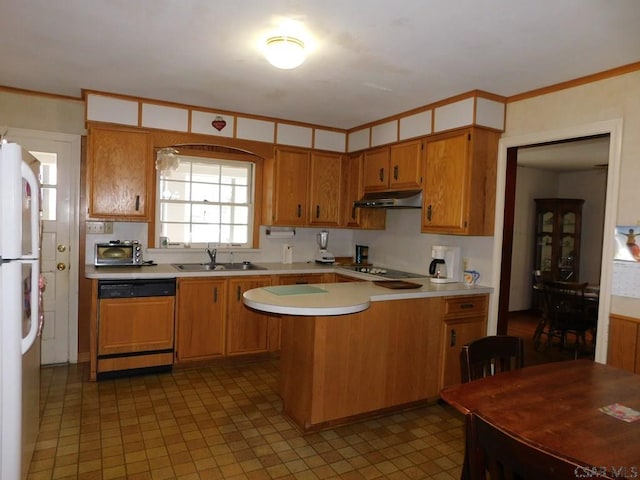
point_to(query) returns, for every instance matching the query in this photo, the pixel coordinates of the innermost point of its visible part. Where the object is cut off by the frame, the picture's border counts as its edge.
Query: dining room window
(207, 201)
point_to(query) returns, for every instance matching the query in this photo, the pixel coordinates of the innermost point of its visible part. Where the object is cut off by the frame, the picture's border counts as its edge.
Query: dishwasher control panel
(136, 288)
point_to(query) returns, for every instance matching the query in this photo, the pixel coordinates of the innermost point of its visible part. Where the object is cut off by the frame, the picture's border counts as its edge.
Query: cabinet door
(291, 173)
(446, 185)
(465, 319)
(200, 318)
(128, 325)
(456, 334)
(406, 165)
(247, 330)
(624, 343)
(373, 218)
(119, 173)
(376, 170)
(325, 192)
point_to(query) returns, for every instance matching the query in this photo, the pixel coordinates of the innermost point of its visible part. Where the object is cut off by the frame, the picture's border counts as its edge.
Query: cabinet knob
(299, 210)
(395, 172)
(429, 213)
(239, 294)
(215, 294)
(137, 203)
(317, 211)
(381, 174)
(452, 340)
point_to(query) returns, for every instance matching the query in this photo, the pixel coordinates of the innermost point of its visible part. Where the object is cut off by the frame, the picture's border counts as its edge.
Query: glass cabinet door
(557, 243)
(544, 243)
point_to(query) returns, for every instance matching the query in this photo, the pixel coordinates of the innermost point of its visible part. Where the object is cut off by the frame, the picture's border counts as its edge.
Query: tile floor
(224, 422)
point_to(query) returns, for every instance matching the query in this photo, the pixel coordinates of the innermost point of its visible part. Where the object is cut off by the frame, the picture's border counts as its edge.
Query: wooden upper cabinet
(398, 167)
(405, 167)
(120, 174)
(376, 170)
(286, 187)
(373, 218)
(325, 195)
(459, 190)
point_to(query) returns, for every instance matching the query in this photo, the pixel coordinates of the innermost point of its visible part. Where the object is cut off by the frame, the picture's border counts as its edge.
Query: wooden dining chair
(489, 355)
(496, 454)
(566, 312)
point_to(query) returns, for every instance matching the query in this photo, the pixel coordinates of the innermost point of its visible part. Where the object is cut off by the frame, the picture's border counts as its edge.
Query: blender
(323, 256)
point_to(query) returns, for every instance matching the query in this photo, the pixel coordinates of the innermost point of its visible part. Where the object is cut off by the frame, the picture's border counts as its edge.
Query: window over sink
(206, 201)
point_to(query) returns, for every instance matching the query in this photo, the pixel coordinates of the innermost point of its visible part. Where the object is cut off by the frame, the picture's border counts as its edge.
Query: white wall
(609, 99)
(402, 245)
(44, 113)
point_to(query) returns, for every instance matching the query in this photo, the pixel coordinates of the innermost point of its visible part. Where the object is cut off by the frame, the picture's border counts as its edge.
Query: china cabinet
(557, 238)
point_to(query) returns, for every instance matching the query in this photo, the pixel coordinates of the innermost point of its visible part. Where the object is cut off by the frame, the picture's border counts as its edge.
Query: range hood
(398, 199)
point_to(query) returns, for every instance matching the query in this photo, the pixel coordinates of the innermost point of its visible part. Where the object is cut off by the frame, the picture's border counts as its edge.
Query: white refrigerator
(20, 318)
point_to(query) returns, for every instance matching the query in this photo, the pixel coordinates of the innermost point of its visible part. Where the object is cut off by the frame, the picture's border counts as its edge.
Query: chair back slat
(490, 355)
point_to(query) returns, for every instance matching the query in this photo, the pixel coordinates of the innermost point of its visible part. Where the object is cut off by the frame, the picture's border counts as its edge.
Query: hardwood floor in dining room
(523, 324)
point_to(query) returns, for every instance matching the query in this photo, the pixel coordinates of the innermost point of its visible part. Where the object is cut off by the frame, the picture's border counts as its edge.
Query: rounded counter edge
(304, 311)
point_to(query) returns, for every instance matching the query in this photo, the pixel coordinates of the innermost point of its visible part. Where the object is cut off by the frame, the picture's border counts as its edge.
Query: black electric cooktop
(383, 272)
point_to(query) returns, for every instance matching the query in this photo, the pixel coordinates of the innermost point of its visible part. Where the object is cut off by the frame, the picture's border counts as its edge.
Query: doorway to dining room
(515, 262)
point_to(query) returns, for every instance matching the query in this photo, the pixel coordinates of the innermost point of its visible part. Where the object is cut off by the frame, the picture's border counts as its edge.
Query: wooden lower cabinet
(134, 333)
(336, 368)
(247, 329)
(465, 319)
(201, 309)
(624, 343)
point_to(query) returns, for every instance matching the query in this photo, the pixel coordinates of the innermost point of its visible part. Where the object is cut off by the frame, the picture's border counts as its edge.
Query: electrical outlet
(99, 227)
(465, 264)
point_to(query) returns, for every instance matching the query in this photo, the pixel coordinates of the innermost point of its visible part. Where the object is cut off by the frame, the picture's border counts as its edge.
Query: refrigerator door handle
(34, 327)
(31, 179)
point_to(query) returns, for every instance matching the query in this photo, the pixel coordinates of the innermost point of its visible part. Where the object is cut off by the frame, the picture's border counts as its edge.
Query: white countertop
(350, 297)
(336, 298)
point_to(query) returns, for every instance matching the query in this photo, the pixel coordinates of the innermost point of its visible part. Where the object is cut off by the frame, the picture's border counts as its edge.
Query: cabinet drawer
(465, 306)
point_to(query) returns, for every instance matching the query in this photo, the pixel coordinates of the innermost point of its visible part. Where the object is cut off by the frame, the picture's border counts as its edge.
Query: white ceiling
(370, 58)
(579, 154)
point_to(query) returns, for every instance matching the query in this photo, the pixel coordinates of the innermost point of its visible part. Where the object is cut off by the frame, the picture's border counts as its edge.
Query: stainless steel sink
(205, 267)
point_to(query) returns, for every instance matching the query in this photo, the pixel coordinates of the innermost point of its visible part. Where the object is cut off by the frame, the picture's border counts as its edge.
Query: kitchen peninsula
(352, 350)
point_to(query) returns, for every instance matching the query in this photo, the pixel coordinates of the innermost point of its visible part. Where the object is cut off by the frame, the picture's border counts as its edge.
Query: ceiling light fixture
(285, 52)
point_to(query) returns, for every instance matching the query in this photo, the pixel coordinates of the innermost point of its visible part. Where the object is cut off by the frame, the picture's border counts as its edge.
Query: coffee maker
(446, 264)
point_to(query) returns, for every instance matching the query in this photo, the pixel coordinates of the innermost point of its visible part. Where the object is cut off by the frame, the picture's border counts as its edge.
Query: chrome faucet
(212, 254)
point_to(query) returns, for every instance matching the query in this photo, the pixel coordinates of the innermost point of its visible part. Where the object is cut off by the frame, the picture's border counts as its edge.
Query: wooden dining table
(557, 406)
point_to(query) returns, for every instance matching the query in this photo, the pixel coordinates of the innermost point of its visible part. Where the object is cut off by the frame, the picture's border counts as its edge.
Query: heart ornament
(219, 123)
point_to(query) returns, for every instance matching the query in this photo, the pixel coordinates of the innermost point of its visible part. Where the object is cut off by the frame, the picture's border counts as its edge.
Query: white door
(59, 175)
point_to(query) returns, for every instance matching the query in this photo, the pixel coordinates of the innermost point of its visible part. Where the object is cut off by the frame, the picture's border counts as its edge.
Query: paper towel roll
(287, 253)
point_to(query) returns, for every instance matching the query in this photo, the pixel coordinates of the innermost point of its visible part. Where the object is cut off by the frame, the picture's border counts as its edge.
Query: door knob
(61, 266)
(62, 248)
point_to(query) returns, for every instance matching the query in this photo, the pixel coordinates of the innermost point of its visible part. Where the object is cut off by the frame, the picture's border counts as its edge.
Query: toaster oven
(118, 253)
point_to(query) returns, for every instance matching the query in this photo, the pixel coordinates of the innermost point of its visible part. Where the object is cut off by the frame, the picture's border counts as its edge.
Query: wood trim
(24, 91)
(624, 317)
(507, 240)
(93, 331)
(140, 361)
(595, 77)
